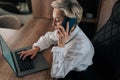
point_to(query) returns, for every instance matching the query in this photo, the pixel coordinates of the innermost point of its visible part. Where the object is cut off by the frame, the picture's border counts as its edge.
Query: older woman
(73, 51)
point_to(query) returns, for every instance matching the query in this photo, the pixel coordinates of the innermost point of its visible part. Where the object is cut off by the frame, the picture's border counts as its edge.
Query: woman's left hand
(62, 34)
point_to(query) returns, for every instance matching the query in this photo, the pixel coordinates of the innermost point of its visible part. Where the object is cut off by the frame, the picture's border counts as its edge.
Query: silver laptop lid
(7, 53)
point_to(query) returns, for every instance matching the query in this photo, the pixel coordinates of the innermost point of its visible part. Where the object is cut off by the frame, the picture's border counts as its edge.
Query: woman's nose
(53, 23)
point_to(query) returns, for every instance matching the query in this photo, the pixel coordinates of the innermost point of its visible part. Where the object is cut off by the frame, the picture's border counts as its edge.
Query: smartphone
(71, 21)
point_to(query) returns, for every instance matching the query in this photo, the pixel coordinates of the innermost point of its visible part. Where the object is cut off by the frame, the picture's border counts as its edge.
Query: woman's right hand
(32, 52)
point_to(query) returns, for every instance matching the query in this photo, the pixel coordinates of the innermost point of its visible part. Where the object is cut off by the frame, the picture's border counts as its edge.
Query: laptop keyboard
(25, 64)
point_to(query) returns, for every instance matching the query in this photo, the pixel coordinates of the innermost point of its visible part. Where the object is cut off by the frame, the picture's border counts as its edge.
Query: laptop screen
(6, 53)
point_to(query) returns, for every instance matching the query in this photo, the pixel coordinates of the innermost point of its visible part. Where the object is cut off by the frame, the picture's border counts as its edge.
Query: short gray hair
(71, 8)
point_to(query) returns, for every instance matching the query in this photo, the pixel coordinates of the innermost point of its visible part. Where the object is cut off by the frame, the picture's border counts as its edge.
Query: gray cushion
(9, 21)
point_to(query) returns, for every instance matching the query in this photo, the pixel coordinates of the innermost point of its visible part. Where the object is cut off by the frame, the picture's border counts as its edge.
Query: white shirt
(76, 55)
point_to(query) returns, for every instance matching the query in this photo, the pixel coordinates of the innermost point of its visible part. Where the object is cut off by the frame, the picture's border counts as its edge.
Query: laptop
(30, 65)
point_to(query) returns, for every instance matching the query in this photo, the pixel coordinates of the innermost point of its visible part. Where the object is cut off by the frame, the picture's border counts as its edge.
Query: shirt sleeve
(57, 70)
(46, 41)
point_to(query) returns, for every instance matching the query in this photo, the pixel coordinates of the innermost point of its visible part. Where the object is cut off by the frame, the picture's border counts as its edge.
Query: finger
(67, 27)
(61, 28)
(60, 34)
(21, 54)
(25, 56)
(32, 56)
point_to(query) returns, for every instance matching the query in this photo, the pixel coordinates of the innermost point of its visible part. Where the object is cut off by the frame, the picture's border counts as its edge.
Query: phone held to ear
(71, 21)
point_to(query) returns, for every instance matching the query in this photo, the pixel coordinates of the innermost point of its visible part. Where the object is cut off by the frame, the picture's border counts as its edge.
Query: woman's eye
(57, 20)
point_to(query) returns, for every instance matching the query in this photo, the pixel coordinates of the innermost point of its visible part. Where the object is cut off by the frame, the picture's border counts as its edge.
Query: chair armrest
(9, 21)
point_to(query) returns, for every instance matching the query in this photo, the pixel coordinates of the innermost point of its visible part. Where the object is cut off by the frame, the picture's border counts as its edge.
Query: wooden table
(23, 37)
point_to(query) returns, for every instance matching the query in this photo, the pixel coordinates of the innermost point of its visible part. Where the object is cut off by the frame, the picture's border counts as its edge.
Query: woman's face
(57, 17)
